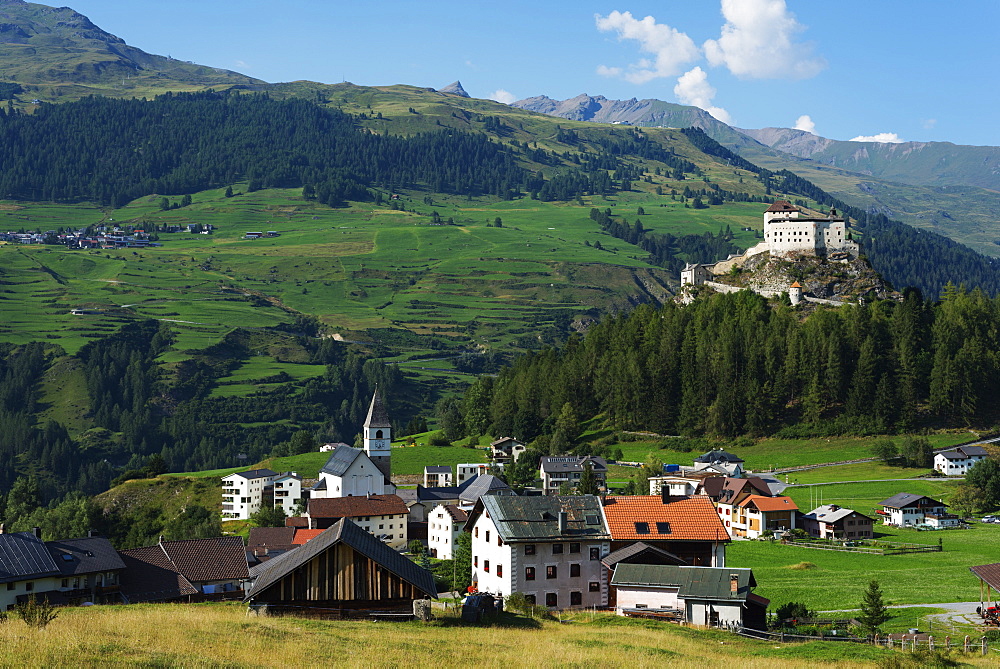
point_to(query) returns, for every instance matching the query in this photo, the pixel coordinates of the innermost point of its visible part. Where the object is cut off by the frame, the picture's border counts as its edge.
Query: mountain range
(940, 186)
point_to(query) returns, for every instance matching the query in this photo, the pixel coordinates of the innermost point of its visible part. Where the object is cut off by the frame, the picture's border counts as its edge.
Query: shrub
(439, 440)
(36, 614)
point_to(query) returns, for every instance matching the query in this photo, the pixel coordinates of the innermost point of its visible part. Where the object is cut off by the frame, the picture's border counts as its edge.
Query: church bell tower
(378, 435)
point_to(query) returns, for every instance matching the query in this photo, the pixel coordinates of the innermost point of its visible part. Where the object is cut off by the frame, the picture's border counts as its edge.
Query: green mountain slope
(51, 54)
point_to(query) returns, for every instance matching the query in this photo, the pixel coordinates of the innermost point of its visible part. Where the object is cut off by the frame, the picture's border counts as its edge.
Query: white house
(468, 470)
(547, 548)
(908, 510)
(720, 462)
(715, 596)
(243, 492)
(326, 448)
(437, 476)
(556, 471)
(287, 492)
(506, 450)
(349, 472)
(958, 461)
(680, 484)
(444, 525)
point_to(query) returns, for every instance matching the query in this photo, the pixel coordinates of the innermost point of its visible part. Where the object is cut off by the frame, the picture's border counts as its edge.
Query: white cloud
(883, 137)
(805, 123)
(928, 123)
(757, 42)
(669, 48)
(693, 89)
(241, 63)
(500, 95)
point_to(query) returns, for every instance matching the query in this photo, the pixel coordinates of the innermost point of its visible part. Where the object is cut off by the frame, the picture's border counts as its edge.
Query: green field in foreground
(838, 578)
(222, 635)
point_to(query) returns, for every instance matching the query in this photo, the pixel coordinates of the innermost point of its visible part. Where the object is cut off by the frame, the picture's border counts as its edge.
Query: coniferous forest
(732, 364)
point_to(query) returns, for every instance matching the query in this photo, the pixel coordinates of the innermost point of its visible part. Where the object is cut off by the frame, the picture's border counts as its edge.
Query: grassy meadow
(222, 635)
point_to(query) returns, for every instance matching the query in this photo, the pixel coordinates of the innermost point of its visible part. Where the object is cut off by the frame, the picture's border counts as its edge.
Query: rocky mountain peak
(454, 88)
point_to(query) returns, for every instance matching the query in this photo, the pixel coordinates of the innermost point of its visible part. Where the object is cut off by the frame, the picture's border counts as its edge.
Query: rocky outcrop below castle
(842, 280)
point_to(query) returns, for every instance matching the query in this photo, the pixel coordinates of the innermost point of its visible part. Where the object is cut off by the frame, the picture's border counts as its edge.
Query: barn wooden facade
(345, 569)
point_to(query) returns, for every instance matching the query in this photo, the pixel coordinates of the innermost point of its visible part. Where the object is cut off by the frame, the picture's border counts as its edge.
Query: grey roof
(340, 459)
(637, 552)
(483, 484)
(343, 531)
(255, 473)
(320, 485)
(23, 556)
(692, 582)
(377, 415)
(437, 469)
(85, 556)
(899, 500)
(537, 518)
(445, 493)
(719, 456)
(572, 463)
(973, 450)
(828, 514)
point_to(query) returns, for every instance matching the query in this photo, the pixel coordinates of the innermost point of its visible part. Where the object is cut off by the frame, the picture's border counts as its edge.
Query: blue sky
(912, 70)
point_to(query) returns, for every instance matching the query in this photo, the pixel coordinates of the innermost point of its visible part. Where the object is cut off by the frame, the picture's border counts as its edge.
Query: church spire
(377, 435)
(377, 415)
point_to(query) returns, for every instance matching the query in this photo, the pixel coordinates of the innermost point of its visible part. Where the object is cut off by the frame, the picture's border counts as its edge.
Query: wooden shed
(343, 572)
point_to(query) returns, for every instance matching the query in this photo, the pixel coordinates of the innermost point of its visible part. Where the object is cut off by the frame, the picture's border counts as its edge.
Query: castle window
(378, 434)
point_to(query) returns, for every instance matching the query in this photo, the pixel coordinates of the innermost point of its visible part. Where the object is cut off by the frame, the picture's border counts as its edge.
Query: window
(530, 598)
(475, 560)
(550, 571)
(529, 549)
(486, 566)
(499, 570)
(595, 586)
(65, 583)
(475, 533)
(378, 434)
(663, 528)
(642, 528)
(29, 586)
(551, 599)
(557, 549)
(381, 527)
(487, 536)
(575, 598)
(499, 541)
(595, 553)
(574, 569)
(529, 573)
(11, 586)
(574, 548)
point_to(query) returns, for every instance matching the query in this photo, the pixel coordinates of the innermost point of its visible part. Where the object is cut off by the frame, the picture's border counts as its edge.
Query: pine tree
(874, 612)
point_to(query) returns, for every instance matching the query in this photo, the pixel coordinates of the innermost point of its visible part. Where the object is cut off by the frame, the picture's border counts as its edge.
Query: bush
(36, 614)
(439, 440)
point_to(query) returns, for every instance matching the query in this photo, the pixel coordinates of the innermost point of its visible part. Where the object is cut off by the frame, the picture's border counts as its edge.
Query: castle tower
(377, 435)
(795, 293)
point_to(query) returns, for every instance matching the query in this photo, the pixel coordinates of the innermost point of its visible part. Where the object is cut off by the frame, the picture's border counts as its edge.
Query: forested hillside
(732, 364)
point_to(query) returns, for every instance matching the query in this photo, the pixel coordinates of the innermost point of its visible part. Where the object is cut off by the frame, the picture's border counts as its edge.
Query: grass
(221, 634)
(838, 579)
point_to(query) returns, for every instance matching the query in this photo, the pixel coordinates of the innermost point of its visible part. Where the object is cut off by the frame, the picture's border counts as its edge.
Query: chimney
(160, 540)
(563, 516)
(2, 530)
(93, 533)
(734, 583)
(37, 532)
(834, 507)
(665, 493)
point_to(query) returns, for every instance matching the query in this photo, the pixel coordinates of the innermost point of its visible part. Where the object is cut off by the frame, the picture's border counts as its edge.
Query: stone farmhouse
(547, 548)
(958, 461)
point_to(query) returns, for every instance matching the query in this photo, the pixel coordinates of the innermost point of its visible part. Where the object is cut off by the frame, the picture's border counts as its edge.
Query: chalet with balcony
(958, 461)
(908, 510)
(831, 521)
(556, 471)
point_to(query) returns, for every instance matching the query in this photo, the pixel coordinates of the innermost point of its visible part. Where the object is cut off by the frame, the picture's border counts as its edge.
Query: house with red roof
(758, 514)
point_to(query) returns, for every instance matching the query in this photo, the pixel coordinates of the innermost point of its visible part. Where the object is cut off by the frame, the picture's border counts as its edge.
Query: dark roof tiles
(377, 414)
(86, 556)
(354, 507)
(537, 518)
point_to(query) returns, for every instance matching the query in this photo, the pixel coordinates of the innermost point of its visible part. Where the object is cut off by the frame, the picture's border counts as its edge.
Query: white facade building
(444, 525)
(243, 493)
(908, 510)
(958, 461)
(547, 548)
(287, 492)
(349, 472)
(469, 470)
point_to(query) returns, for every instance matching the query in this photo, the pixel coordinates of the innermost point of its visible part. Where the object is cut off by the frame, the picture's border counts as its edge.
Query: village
(355, 545)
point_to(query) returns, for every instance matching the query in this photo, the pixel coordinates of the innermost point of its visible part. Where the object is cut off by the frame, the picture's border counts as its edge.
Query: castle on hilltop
(788, 232)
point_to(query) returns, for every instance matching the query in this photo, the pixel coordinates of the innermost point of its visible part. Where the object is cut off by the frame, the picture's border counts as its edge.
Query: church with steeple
(354, 472)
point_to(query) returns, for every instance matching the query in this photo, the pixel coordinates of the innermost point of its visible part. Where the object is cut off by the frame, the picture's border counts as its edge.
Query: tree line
(736, 364)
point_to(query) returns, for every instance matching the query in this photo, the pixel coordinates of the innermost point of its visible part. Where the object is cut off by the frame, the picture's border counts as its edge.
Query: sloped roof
(343, 531)
(828, 514)
(377, 414)
(781, 206)
(439, 493)
(214, 559)
(305, 536)
(437, 469)
(271, 537)
(149, 576)
(796, 285)
(537, 518)
(712, 583)
(732, 487)
(296, 521)
(639, 553)
(353, 507)
(903, 499)
(973, 450)
(22, 556)
(572, 463)
(719, 456)
(504, 440)
(770, 503)
(685, 519)
(482, 484)
(88, 555)
(989, 573)
(457, 515)
(254, 474)
(340, 459)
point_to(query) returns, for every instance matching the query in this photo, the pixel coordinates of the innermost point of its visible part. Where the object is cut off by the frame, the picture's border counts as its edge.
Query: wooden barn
(343, 572)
